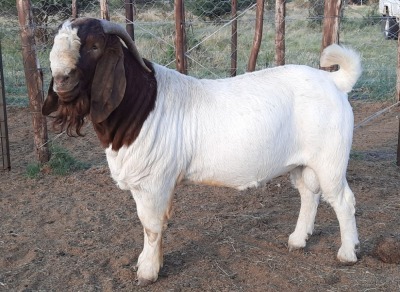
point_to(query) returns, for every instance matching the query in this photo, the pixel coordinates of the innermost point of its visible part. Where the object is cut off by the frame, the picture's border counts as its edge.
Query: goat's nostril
(61, 79)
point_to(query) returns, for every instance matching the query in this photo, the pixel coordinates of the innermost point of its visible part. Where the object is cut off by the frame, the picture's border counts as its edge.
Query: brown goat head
(88, 74)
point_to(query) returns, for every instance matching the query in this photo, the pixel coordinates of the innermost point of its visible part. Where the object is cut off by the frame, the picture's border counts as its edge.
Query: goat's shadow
(177, 261)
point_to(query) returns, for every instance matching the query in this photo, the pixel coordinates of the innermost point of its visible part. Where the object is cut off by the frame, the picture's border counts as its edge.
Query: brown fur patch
(123, 125)
(213, 183)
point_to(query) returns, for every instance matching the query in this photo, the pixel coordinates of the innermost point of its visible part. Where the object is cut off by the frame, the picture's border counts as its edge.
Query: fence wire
(208, 39)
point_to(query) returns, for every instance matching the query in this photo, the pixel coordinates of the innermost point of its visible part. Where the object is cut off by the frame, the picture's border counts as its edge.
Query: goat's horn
(113, 28)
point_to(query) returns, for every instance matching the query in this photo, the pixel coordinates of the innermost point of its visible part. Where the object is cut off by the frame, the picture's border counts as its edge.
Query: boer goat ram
(161, 128)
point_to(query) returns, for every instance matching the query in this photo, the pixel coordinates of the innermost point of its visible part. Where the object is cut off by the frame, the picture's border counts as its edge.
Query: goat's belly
(240, 182)
(243, 162)
(239, 174)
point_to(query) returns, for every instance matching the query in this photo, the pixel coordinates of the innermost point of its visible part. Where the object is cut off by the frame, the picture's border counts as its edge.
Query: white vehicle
(390, 10)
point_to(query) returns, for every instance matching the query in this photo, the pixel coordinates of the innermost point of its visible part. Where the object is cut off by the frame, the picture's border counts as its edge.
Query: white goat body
(239, 132)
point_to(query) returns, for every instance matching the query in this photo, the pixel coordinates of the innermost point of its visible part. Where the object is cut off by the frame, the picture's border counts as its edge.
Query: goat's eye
(93, 49)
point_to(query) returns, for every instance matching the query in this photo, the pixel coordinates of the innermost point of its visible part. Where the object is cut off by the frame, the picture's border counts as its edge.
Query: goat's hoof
(347, 257)
(144, 282)
(295, 247)
(295, 244)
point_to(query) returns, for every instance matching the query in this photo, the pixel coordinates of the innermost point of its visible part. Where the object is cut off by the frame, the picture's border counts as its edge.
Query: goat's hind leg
(305, 180)
(153, 212)
(343, 202)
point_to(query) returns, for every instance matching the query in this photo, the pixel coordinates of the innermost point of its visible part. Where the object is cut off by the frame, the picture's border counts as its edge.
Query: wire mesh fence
(208, 29)
(208, 39)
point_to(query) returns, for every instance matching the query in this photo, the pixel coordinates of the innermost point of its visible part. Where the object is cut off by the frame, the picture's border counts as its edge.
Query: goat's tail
(349, 66)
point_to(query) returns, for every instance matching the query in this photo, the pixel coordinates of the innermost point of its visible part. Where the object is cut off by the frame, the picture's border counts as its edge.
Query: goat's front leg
(153, 212)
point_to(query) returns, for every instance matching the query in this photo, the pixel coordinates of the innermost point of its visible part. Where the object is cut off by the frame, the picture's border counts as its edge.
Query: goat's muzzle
(66, 86)
(67, 95)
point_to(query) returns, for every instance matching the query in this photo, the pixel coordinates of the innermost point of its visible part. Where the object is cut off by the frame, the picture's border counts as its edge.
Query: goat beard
(70, 116)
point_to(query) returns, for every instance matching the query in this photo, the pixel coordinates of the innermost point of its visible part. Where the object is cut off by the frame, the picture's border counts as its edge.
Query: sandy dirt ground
(79, 232)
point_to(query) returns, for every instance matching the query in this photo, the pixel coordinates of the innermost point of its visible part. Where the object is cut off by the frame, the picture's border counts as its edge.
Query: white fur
(241, 132)
(65, 52)
(351, 68)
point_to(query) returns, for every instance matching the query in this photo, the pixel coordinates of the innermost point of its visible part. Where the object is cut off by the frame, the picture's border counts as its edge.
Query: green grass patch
(356, 155)
(61, 163)
(33, 170)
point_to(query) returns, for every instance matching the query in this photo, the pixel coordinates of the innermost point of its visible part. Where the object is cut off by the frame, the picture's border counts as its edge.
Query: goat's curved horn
(113, 28)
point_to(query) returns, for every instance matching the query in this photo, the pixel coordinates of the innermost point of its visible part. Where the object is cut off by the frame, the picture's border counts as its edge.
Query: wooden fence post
(129, 18)
(104, 12)
(5, 148)
(34, 80)
(180, 37)
(280, 14)
(74, 9)
(398, 94)
(398, 147)
(234, 39)
(398, 69)
(330, 30)
(257, 36)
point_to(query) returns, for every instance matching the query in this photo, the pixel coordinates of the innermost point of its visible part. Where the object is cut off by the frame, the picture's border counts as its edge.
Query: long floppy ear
(51, 102)
(109, 82)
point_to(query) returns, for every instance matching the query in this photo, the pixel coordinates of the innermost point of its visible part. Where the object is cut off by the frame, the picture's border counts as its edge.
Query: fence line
(375, 115)
(219, 29)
